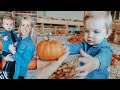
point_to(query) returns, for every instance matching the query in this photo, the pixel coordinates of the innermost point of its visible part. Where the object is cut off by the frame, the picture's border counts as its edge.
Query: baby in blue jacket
(95, 52)
(9, 36)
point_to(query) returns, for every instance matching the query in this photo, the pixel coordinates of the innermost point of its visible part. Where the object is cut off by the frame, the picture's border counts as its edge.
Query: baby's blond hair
(8, 17)
(98, 15)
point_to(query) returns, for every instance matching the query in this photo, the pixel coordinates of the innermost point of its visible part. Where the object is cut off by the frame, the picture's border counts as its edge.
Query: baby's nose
(90, 34)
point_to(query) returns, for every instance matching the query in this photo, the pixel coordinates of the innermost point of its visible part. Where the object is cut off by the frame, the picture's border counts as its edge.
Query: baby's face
(8, 25)
(95, 31)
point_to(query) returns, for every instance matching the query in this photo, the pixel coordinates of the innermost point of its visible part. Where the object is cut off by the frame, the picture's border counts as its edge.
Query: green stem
(48, 36)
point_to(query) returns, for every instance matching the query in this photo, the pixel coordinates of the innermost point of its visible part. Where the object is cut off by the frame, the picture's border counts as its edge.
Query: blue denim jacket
(102, 52)
(5, 44)
(25, 50)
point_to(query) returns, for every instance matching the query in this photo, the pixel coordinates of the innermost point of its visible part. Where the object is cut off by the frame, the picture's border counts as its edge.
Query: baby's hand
(12, 48)
(15, 44)
(5, 38)
(89, 64)
(9, 58)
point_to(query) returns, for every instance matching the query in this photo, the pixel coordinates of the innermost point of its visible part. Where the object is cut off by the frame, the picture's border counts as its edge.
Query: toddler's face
(26, 28)
(8, 25)
(95, 31)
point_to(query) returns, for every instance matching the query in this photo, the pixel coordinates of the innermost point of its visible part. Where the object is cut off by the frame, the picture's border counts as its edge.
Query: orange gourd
(2, 64)
(49, 50)
(114, 62)
(76, 39)
(33, 64)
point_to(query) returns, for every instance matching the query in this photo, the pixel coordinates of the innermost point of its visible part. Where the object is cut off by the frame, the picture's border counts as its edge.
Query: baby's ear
(108, 33)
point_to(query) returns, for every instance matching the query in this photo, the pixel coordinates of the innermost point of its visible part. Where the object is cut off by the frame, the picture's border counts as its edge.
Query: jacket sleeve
(3, 34)
(104, 56)
(25, 59)
(3, 42)
(74, 48)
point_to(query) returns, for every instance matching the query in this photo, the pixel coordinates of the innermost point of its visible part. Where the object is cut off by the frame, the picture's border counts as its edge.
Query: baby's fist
(5, 38)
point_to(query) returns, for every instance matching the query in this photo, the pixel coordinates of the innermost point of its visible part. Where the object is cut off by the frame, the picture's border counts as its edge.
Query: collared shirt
(5, 44)
(102, 52)
(25, 50)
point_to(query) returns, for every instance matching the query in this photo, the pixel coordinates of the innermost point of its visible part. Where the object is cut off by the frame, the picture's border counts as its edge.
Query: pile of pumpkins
(58, 32)
(65, 71)
(75, 39)
(115, 59)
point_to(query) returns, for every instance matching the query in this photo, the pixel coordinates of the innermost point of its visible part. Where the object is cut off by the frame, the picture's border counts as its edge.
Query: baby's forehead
(97, 18)
(8, 20)
(96, 22)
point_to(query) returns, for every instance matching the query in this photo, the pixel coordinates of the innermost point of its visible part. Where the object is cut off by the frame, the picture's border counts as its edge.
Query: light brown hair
(100, 14)
(8, 17)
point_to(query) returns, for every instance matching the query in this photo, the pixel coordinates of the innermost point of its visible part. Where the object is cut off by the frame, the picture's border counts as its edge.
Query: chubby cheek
(86, 36)
(98, 40)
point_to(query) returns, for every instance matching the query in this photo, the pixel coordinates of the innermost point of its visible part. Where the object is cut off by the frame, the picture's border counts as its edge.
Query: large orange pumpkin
(0, 44)
(33, 64)
(49, 50)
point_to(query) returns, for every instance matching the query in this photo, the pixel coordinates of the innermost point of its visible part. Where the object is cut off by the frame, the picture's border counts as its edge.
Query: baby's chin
(91, 43)
(9, 29)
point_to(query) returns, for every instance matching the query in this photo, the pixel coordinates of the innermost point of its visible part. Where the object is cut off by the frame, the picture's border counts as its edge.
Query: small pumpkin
(33, 64)
(114, 62)
(2, 63)
(49, 50)
(76, 39)
(0, 44)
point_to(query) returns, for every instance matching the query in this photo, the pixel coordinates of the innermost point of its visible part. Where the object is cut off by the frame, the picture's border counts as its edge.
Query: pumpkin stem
(48, 36)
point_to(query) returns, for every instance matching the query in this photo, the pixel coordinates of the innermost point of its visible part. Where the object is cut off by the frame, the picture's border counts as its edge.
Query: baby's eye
(96, 32)
(23, 25)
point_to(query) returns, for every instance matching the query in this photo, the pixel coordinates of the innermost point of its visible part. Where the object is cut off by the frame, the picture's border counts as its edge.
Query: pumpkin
(0, 44)
(114, 62)
(49, 50)
(117, 56)
(76, 39)
(33, 64)
(2, 64)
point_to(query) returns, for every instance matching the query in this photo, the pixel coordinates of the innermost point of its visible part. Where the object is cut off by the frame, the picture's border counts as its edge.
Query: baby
(95, 52)
(9, 36)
